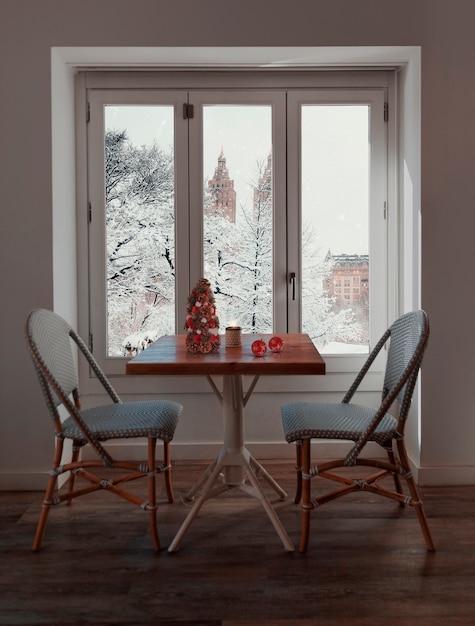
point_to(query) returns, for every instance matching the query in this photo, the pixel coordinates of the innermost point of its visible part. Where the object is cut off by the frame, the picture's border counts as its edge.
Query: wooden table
(169, 356)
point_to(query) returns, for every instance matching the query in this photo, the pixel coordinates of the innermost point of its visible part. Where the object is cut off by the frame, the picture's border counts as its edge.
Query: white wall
(36, 275)
(63, 190)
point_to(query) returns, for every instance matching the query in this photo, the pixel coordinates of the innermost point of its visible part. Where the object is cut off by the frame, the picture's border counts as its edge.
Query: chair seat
(153, 418)
(317, 420)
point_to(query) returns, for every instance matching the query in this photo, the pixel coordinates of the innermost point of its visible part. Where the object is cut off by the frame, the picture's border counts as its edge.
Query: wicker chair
(304, 421)
(50, 341)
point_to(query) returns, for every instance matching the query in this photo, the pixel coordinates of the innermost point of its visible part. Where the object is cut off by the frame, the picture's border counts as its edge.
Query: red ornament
(259, 347)
(276, 344)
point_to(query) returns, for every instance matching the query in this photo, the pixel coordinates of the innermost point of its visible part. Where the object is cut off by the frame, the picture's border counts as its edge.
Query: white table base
(236, 467)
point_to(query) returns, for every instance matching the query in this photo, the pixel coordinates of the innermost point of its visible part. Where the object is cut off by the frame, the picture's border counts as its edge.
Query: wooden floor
(366, 565)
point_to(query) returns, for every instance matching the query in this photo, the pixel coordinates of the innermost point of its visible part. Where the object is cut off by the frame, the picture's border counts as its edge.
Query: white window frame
(97, 100)
(341, 369)
(275, 99)
(378, 218)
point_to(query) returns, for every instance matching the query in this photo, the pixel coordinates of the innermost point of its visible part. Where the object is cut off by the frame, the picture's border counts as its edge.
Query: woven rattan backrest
(409, 336)
(48, 337)
(51, 340)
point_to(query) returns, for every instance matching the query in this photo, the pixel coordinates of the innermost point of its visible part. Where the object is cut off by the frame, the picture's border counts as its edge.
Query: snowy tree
(140, 243)
(239, 264)
(239, 258)
(238, 255)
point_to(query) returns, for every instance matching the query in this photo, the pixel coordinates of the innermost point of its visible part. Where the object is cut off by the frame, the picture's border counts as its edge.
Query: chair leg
(298, 469)
(72, 477)
(396, 476)
(152, 493)
(48, 497)
(306, 497)
(415, 495)
(47, 503)
(168, 471)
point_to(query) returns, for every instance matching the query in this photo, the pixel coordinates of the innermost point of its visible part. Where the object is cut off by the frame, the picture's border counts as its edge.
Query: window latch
(188, 111)
(292, 283)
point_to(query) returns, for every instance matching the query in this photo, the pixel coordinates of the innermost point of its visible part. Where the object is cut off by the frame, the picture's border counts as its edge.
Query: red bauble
(276, 344)
(259, 347)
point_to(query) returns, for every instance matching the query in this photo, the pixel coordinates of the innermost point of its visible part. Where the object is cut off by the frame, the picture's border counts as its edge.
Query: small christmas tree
(201, 322)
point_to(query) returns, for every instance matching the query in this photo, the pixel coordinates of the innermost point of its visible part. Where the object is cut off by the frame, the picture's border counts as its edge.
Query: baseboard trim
(437, 476)
(28, 481)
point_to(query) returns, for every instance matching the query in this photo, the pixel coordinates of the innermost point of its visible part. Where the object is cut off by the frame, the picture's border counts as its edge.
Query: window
(271, 185)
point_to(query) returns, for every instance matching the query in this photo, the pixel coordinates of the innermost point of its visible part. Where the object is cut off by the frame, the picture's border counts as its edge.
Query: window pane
(335, 226)
(140, 224)
(238, 213)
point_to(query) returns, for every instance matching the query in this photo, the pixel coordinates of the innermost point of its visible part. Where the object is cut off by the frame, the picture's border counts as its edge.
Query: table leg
(233, 426)
(237, 464)
(261, 471)
(199, 483)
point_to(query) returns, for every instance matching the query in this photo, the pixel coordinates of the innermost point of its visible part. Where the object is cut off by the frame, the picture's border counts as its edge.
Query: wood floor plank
(367, 564)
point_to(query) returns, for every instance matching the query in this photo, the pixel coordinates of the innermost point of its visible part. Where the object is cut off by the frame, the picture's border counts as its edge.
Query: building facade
(348, 281)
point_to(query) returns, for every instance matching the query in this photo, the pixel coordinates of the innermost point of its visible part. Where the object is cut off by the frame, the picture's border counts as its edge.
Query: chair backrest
(50, 341)
(409, 335)
(48, 338)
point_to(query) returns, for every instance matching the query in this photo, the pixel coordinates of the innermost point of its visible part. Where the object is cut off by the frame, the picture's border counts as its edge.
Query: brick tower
(221, 190)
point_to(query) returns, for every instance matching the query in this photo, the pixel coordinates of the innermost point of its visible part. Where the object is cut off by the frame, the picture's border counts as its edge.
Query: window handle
(292, 282)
